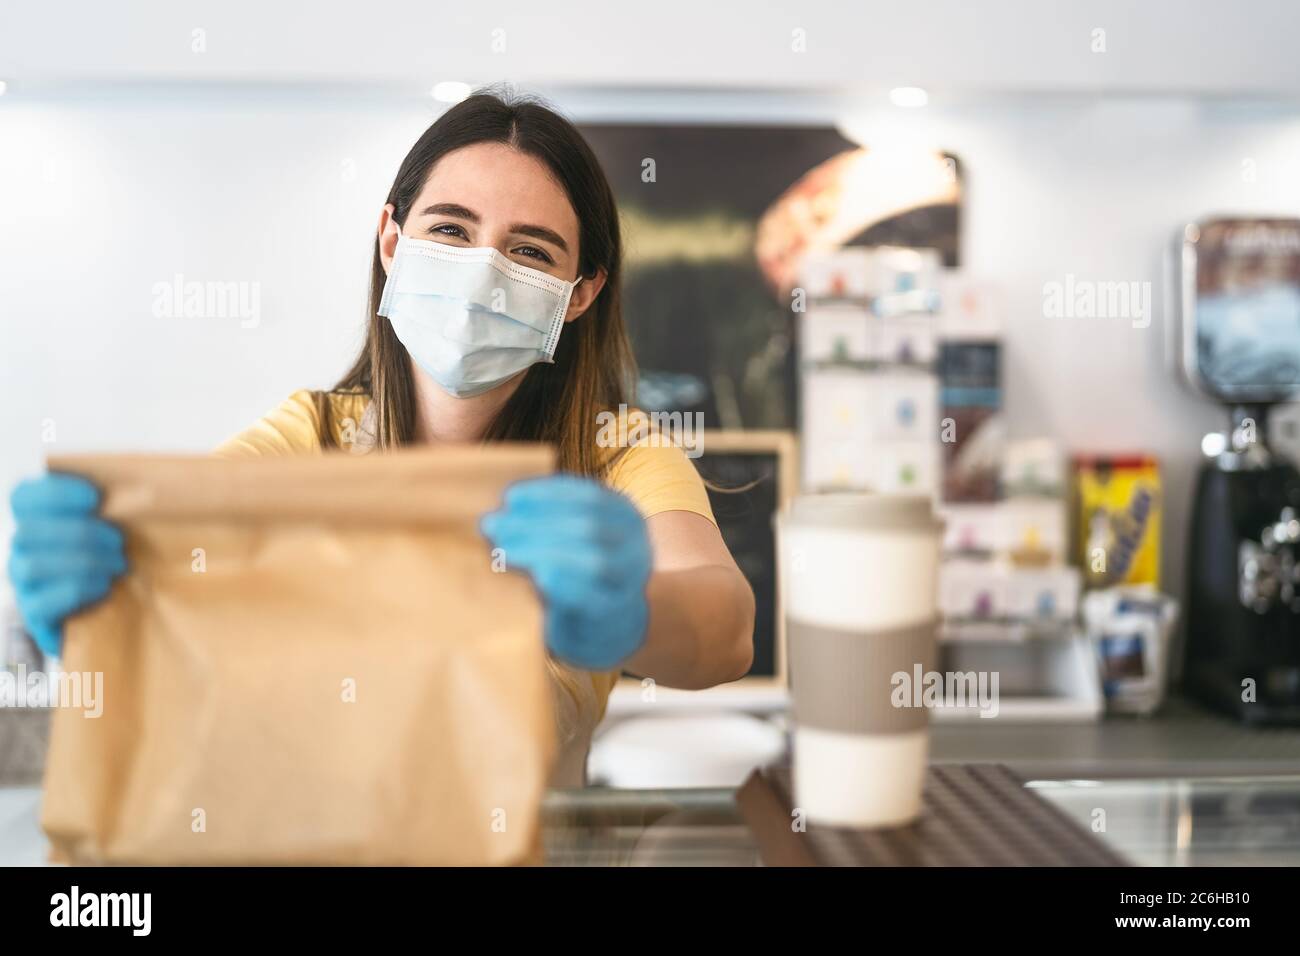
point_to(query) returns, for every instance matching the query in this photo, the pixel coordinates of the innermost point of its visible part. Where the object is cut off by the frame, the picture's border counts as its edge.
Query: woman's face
(493, 195)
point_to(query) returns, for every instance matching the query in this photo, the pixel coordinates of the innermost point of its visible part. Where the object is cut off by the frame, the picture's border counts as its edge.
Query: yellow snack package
(1118, 533)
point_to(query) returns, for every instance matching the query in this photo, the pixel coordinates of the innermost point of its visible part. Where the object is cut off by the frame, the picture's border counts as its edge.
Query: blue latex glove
(63, 556)
(587, 551)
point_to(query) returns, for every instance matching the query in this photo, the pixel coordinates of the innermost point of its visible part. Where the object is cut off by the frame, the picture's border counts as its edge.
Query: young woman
(494, 315)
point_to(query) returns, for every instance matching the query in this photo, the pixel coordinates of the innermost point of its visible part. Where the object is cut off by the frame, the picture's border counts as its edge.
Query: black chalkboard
(746, 489)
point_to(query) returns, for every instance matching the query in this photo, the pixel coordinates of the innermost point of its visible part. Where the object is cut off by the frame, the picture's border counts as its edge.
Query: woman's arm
(701, 625)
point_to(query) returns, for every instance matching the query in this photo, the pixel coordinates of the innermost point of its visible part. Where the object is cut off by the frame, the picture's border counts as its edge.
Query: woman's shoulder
(294, 426)
(651, 463)
(351, 420)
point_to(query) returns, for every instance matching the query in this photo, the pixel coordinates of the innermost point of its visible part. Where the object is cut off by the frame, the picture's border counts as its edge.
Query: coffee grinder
(1239, 283)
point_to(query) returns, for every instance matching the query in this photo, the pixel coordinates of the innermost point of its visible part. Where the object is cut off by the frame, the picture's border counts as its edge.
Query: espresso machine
(1239, 298)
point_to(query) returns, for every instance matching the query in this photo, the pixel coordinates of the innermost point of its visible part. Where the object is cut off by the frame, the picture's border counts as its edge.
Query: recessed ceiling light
(908, 97)
(451, 91)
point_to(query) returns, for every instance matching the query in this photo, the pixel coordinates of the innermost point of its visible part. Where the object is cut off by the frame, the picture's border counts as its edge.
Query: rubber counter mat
(972, 815)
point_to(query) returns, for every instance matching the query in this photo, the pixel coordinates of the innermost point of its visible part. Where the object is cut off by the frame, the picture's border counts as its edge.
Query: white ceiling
(954, 48)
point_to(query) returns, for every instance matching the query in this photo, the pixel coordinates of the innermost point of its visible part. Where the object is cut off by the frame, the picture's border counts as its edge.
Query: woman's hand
(587, 551)
(63, 555)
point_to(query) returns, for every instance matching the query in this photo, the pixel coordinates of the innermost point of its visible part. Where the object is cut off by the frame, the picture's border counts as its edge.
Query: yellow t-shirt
(655, 477)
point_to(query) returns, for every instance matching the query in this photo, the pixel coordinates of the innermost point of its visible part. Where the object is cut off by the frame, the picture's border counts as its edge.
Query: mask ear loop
(553, 339)
(390, 281)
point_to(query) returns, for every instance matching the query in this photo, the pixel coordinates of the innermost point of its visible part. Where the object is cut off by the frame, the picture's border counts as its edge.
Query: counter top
(1183, 787)
(1182, 740)
(1245, 821)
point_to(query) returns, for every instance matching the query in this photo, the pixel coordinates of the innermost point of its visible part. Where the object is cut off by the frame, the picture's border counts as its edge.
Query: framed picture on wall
(751, 475)
(718, 220)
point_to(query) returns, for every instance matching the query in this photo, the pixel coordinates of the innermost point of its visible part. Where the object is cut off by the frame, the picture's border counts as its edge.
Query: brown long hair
(594, 369)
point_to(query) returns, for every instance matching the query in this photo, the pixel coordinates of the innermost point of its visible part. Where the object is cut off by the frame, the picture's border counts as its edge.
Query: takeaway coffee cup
(859, 577)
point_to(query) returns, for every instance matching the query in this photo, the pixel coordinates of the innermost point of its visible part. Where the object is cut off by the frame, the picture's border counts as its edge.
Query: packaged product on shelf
(1042, 594)
(972, 434)
(980, 589)
(1034, 467)
(968, 308)
(1036, 530)
(905, 406)
(971, 424)
(835, 333)
(905, 340)
(870, 429)
(1130, 631)
(836, 432)
(1118, 514)
(972, 589)
(972, 528)
(906, 467)
(971, 366)
(899, 273)
(847, 273)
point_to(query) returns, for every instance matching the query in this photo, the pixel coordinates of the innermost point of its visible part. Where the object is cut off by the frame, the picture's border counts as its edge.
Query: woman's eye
(533, 252)
(450, 229)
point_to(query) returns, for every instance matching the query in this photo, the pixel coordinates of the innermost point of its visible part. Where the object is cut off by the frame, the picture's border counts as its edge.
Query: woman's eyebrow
(541, 232)
(450, 209)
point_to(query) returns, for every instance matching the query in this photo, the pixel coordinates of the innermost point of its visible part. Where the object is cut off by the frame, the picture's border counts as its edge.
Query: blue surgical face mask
(472, 318)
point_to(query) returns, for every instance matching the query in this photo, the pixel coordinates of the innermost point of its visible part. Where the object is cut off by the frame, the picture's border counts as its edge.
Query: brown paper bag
(312, 660)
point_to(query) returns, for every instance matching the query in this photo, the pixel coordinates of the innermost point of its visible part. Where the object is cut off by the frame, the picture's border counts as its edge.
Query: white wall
(1099, 190)
(102, 198)
(954, 46)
